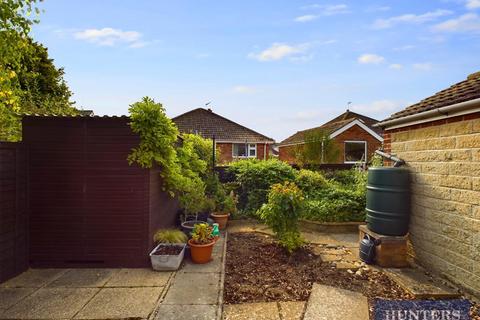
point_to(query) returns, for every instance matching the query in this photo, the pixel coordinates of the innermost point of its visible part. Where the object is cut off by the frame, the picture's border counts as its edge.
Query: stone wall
(444, 158)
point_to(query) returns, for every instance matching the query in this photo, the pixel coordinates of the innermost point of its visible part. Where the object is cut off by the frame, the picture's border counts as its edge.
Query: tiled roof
(209, 124)
(332, 126)
(465, 90)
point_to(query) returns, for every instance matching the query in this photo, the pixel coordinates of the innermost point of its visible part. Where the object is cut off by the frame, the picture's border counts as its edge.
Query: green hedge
(340, 197)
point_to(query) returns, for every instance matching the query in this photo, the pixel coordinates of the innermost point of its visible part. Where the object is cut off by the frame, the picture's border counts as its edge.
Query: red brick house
(439, 139)
(233, 140)
(353, 134)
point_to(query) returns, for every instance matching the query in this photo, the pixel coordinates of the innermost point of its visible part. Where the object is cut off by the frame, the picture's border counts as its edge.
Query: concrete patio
(193, 292)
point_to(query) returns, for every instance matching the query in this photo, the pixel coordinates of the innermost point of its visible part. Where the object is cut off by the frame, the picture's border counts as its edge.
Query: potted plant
(170, 249)
(225, 207)
(201, 243)
(193, 202)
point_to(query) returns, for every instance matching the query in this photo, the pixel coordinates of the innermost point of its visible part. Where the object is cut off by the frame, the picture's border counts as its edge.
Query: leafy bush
(255, 177)
(281, 213)
(170, 236)
(183, 165)
(311, 182)
(343, 199)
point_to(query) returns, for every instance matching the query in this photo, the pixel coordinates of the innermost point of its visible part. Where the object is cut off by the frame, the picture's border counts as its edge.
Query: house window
(244, 150)
(355, 151)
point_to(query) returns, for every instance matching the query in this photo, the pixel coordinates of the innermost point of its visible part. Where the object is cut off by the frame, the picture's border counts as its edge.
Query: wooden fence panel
(13, 210)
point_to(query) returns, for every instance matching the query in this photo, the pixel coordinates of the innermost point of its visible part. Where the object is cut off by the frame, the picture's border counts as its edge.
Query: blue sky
(274, 66)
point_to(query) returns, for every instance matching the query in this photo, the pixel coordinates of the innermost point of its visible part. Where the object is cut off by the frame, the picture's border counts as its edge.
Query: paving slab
(79, 278)
(121, 303)
(51, 303)
(183, 289)
(349, 240)
(421, 286)
(331, 303)
(186, 312)
(292, 310)
(138, 278)
(213, 266)
(34, 278)
(10, 296)
(248, 311)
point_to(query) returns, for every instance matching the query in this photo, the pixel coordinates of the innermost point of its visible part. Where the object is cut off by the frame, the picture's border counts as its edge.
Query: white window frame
(345, 151)
(250, 147)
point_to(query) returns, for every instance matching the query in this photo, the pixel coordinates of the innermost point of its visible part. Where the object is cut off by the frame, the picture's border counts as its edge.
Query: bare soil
(168, 251)
(258, 270)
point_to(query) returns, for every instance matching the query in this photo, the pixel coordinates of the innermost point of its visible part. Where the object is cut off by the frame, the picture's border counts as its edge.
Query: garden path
(196, 291)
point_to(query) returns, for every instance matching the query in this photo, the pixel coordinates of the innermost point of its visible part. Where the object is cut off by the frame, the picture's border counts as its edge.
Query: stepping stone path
(421, 286)
(264, 311)
(331, 303)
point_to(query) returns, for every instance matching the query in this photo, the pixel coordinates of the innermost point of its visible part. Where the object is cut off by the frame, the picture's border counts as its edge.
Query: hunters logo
(457, 309)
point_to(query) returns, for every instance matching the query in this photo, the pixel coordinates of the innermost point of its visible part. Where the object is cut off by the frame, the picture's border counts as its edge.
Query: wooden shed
(86, 205)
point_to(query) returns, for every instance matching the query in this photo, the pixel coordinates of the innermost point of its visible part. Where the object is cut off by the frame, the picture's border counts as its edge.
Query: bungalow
(232, 139)
(439, 138)
(352, 133)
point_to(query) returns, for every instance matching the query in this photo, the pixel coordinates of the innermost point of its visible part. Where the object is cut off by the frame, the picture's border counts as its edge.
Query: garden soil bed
(257, 270)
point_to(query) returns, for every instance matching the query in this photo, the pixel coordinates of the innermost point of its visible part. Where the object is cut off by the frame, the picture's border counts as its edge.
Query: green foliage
(183, 166)
(376, 161)
(317, 149)
(170, 236)
(344, 198)
(202, 233)
(255, 177)
(311, 182)
(29, 80)
(282, 212)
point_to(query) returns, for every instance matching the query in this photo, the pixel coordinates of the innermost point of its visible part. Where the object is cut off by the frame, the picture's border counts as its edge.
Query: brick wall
(444, 158)
(355, 133)
(226, 152)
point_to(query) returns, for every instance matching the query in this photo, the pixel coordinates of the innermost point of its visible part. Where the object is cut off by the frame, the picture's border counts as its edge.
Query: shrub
(281, 213)
(255, 177)
(170, 236)
(311, 182)
(343, 199)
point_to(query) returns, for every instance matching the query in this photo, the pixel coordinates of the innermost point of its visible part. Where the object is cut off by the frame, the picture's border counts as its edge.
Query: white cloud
(469, 22)
(370, 58)
(306, 18)
(328, 10)
(111, 37)
(244, 89)
(279, 51)
(395, 66)
(335, 9)
(410, 19)
(379, 106)
(378, 9)
(473, 4)
(426, 66)
(404, 48)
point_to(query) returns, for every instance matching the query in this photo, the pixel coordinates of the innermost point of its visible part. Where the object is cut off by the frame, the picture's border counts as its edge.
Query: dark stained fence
(13, 210)
(88, 206)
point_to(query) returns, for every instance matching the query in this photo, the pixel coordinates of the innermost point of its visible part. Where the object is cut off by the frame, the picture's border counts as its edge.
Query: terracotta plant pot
(221, 219)
(201, 253)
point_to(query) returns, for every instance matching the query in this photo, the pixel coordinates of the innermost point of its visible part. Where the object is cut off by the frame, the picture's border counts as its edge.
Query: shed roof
(332, 126)
(208, 124)
(462, 91)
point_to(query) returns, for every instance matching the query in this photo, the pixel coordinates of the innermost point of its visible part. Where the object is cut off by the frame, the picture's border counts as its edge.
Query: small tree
(281, 213)
(318, 148)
